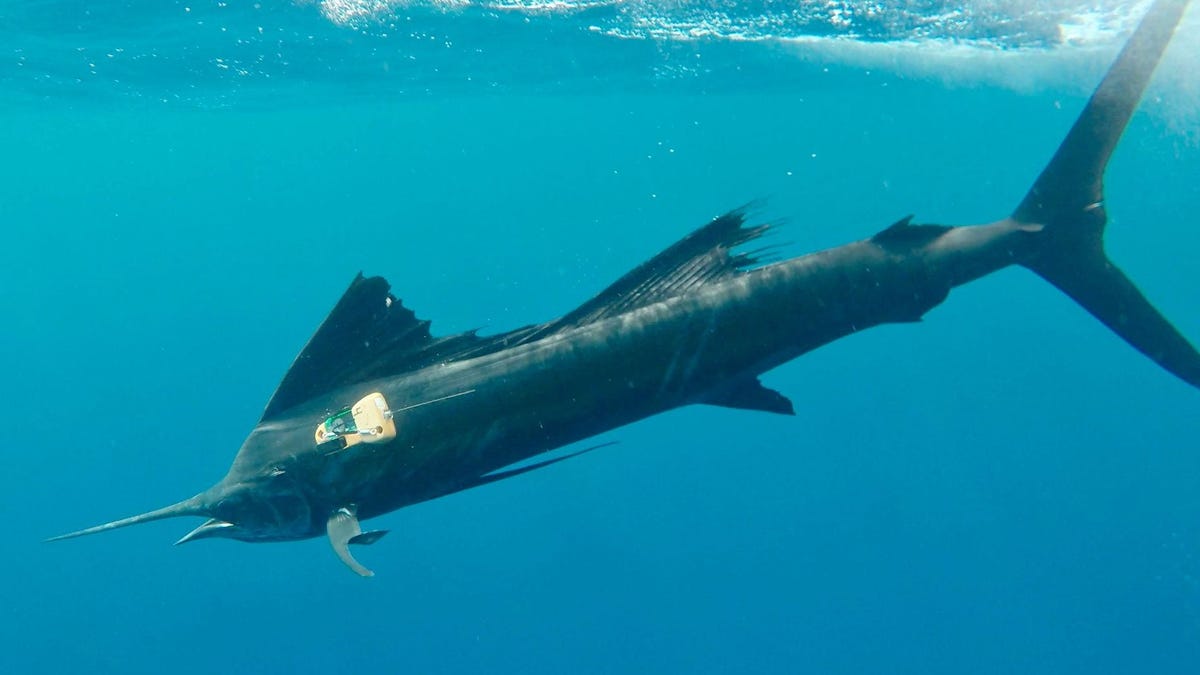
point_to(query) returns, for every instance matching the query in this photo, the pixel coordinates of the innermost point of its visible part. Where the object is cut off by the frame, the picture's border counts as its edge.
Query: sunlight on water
(999, 23)
(212, 53)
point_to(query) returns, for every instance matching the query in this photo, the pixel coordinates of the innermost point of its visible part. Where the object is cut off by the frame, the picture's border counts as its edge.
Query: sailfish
(377, 413)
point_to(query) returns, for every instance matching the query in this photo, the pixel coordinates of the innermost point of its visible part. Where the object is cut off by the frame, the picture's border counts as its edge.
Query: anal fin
(344, 529)
(752, 395)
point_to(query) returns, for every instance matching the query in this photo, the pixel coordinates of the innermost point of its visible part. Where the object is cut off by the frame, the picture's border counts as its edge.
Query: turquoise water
(1006, 487)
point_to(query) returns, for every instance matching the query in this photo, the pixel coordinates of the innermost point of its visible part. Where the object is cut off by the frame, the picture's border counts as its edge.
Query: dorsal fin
(367, 320)
(702, 257)
(368, 334)
(371, 334)
(903, 234)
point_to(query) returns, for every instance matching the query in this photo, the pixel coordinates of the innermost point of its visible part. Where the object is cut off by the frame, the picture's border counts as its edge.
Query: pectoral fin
(343, 529)
(368, 538)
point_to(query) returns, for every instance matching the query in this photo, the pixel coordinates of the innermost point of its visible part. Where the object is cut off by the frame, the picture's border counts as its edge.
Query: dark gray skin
(568, 387)
(696, 324)
(581, 381)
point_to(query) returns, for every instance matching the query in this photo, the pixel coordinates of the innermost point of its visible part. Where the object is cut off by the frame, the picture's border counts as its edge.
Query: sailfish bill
(188, 507)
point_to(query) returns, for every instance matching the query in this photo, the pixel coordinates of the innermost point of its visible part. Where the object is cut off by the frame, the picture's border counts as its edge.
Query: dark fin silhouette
(188, 507)
(752, 395)
(903, 234)
(1068, 201)
(1073, 181)
(368, 538)
(367, 323)
(1094, 282)
(370, 334)
(343, 529)
(510, 473)
(703, 256)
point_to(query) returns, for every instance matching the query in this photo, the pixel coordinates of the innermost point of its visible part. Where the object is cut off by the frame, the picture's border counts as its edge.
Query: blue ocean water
(1005, 487)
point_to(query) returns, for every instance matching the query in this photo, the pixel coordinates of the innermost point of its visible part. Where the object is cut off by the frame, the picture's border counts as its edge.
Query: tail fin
(187, 507)
(1068, 201)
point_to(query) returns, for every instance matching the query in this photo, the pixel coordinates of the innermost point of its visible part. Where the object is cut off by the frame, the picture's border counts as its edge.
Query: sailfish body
(697, 323)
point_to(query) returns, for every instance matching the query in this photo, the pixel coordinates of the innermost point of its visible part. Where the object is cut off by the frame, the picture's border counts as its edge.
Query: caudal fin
(1068, 202)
